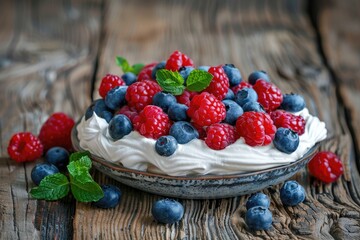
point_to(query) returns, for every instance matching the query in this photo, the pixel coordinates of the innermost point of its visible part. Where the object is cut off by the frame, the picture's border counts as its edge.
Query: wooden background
(53, 54)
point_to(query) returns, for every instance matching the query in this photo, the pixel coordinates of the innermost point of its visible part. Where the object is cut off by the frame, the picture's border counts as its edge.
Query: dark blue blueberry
(245, 95)
(233, 111)
(177, 112)
(129, 78)
(119, 126)
(163, 100)
(166, 145)
(233, 74)
(185, 72)
(286, 140)
(167, 211)
(254, 76)
(229, 95)
(183, 132)
(204, 68)
(42, 170)
(258, 199)
(293, 102)
(57, 156)
(89, 112)
(258, 218)
(101, 110)
(253, 107)
(160, 65)
(115, 98)
(112, 197)
(292, 193)
(107, 115)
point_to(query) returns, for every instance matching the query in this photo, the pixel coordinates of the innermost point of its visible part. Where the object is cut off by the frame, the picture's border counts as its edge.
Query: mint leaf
(77, 155)
(52, 187)
(171, 82)
(80, 166)
(198, 80)
(85, 189)
(123, 63)
(136, 68)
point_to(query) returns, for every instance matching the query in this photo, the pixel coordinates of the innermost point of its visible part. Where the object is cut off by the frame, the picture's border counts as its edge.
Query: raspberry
(201, 130)
(241, 85)
(220, 135)
(152, 122)
(145, 73)
(205, 109)
(326, 166)
(178, 60)
(269, 96)
(186, 97)
(219, 85)
(287, 120)
(140, 94)
(256, 128)
(25, 147)
(127, 111)
(56, 131)
(109, 82)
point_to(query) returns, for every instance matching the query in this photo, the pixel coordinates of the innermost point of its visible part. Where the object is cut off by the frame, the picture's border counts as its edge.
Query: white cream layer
(194, 158)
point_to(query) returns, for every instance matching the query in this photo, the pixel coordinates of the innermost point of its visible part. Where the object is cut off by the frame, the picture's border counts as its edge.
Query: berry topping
(326, 166)
(129, 78)
(115, 98)
(257, 75)
(119, 126)
(286, 140)
(253, 107)
(178, 60)
(258, 218)
(219, 85)
(152, 122)
(205, 109)
(258, 199)
(292, 193)
(112, 197)
(186, 97)
(163, 100)
(109, 82)
(24, 147)
(57, 156)
(140, 94)
(166, 145)
(245, 95)
(242, 85)
(128, 111)
(269, 96)
(233, 111)
(288, 120)
(146, 72)
(177, 112)
(256, 128)
(167, 211)
(56, 131)
(41, 170)
(183, 132)
(220, 135)
(293, 102)
(233, 74)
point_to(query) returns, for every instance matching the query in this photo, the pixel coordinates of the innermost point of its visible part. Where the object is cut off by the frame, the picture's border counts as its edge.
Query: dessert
(194, 108)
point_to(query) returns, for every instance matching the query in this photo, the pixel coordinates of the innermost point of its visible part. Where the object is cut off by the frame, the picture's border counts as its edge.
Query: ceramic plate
(199, 187)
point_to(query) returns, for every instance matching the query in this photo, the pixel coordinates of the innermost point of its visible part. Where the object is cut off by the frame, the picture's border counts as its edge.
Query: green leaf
(52, 187)
(123, 63)
(136, 68)
(171, 82)
(80, 166)
(77, 155)
(198, 80)
(86, 190)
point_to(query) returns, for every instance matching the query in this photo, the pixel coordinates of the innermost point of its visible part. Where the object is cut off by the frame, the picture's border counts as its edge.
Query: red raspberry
(201, 130)
(178, 60)
(269, 96)
(25, 147)
(145, 73)
(241, 85)
(256, 128)
(128, 111)
(140, 94)
(109, 82)
(285, 119)
(186, 97)
(220, 135)
(219, 85)
(56, 131)
(326, 166)
(205, 109)
(152, 122)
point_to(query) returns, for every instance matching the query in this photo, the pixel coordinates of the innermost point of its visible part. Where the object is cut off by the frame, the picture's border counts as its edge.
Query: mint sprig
(125, 66)
(198, 80)
(81, 184)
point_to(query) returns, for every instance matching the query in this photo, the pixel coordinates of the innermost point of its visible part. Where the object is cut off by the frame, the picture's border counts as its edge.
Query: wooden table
(53, 54)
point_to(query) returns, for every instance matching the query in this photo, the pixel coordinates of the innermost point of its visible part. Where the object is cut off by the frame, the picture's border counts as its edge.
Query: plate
(198, 187)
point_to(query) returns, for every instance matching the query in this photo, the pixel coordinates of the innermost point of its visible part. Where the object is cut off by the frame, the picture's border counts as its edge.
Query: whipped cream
(137, 152)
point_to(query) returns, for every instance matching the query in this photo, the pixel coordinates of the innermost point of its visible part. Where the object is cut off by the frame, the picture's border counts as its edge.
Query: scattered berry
(57, 156)
(167, 211)
(292, 193)
(146, 73)
(288, 120)
(185, 72)
(219, 85)
(186, 97)
(256, 128)
(25, 147)
(326, 166)
(159, 66)
(269, 96)
(233, 74)
(241, 85)
(286, 140)
(129, 78)
(220, 135)
(253, 107)
(140, 94)
(258, 218)
(229, 95)
(293, 102)
(112, 197)
(258, 199)
(109, 82)
(166, 145)
(233, 111)
(41, 170)
(257, 75)
(183, 132)
(128, 111)
(163, 100)
(245, 95)
(178, 60)
(177, 112)
(119, 127)
(115, 98)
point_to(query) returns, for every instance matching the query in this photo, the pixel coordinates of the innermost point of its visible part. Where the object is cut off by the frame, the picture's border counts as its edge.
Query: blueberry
(107, 115)
(57, 156)
(293, 102)
(258, 218)
(233, 111)
(254, 76)
(119, 126)
(112, 197)
(229, 95)
(163, 100)
(183, 132)
(258, 199)
(245, 95)
(101, 110)
(204, 68)
(166, 145)
(160, 65)
(185, 72)
(233, 74)
(129, 78)
(253, 107)
(42, 170)
(177, 112)
(115, 98)
(286, 140)
(167, 211)
(292, 193)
